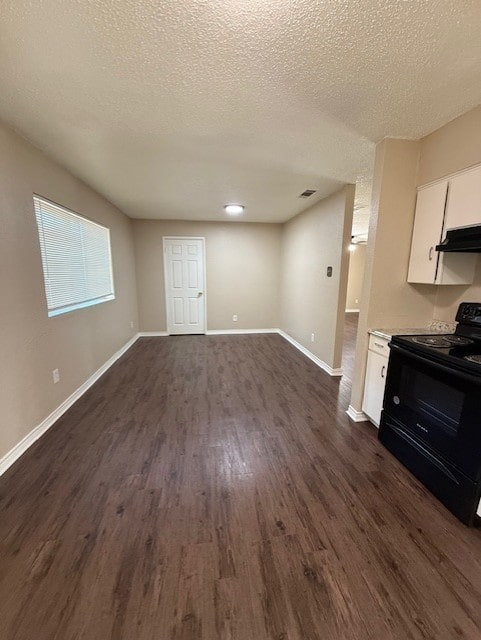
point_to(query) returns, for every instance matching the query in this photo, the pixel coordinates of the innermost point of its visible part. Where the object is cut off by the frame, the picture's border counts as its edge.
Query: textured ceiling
(172, 108)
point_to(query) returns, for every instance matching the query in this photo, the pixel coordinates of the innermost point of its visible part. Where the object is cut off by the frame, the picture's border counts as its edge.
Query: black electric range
(431, 417)
(454, 349)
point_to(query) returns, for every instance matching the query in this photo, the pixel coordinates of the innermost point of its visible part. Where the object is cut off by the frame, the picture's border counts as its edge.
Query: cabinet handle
(431, 249)
(383, 370)
(378, 344)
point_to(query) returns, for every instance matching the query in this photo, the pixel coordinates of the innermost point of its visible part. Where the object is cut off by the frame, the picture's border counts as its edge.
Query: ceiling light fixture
(234, 209)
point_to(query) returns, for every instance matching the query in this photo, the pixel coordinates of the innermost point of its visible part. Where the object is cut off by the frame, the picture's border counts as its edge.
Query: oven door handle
(436, 365)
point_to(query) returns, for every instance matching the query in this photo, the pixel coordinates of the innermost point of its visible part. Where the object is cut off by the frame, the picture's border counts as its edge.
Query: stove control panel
(469, 313)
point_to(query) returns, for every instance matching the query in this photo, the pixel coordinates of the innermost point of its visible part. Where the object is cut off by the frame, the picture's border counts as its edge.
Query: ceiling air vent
(307, 193)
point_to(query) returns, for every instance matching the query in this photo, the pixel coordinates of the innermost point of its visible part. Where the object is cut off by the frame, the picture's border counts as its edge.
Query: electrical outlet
(312, 337)
(234, 317)
(56, 376)
(131, 324)
(357, 300)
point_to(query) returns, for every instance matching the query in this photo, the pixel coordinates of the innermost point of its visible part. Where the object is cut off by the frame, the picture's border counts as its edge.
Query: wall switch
(234, 317)
(312, 337)
(131, 324)
(357, 300)
(56, 376)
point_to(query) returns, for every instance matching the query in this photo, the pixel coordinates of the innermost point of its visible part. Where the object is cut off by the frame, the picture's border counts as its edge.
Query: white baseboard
(356, 416)
(209, 332)
(151, 334)
(227, 332)
(19, 449)
(320, 363)
(353, 310)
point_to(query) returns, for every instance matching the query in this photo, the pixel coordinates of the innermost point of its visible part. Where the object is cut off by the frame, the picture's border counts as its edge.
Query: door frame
(202, 239)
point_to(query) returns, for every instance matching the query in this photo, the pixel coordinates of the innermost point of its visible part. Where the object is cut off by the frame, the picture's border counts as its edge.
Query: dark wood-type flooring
(213, 488)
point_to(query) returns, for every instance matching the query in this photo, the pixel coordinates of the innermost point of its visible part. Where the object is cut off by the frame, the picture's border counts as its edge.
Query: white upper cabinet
(464, 199)
(428, 227)
(453, 202)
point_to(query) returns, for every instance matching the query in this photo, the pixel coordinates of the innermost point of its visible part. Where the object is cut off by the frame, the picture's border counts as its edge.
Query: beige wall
(393, 301)
(451, 148)
(357, 260)
(455, 146)
(243, 265)
(31, 344)
(388, 300)
(310, 301)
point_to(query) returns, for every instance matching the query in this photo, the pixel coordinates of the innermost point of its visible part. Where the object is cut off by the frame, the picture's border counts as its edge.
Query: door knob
(199, 294)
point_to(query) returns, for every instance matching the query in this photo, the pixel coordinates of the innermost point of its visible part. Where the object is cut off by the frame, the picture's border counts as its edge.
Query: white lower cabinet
(377, 360)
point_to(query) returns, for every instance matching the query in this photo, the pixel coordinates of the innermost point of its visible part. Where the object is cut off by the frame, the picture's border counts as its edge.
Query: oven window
(437, 401)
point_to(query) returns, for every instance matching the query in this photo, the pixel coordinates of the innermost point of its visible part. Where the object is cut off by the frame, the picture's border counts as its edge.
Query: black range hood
(462, 239)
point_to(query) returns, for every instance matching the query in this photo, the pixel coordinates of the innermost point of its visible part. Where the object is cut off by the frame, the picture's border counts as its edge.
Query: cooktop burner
(432, 341)
(443, 341)
(476, 358)
(458, 340)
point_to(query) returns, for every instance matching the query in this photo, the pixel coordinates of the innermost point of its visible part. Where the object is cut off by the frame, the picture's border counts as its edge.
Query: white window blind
(76, 258)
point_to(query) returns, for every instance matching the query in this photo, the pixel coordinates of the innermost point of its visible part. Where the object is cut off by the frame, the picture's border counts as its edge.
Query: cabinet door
(464, 199)
(428, 225)
(374, 386)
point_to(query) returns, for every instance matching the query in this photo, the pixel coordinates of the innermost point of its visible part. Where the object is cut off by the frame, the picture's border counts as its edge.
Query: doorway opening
(357, 259)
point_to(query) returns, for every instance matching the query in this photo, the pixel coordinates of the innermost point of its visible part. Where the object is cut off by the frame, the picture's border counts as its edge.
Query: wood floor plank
(213, 488)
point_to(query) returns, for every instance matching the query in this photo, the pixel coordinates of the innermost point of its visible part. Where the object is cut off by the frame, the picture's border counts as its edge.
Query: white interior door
(184, 269)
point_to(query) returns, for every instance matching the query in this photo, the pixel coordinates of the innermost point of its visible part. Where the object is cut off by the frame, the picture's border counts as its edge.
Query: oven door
(438, 406)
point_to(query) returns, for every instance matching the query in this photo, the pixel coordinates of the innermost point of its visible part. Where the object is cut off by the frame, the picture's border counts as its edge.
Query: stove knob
(396, 400)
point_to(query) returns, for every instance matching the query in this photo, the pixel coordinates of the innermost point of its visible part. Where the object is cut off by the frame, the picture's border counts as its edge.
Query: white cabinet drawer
(379, 345)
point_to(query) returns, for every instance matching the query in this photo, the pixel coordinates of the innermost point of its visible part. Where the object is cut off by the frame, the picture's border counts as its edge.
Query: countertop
(437, 326)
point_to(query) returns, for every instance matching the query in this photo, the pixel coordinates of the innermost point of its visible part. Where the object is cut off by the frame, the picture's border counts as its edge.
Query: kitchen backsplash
(442, 326)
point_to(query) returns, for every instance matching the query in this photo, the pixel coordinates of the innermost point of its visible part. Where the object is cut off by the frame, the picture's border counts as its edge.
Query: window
(76, 259)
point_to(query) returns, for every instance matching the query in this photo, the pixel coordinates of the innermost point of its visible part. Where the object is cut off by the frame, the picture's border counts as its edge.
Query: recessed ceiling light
(234, 209)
